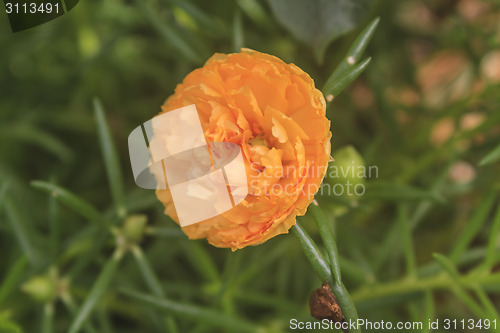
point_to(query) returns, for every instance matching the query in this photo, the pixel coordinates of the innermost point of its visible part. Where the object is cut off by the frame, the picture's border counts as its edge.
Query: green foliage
(350, 67)
(319, 22)
(99, 288)
(110, 157)
(422, 242)
(8, 326)
(491, 157)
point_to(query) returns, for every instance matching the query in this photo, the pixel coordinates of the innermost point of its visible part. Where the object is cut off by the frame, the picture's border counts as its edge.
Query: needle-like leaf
(13, 278)
(98, 289)
(111, 160)
(207, 316)
(474, 226)
(73, 201)
(312, 253)
(493, 156)
(350, 67)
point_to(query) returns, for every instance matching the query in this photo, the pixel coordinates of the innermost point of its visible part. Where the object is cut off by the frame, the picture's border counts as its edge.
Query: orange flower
(275, 113)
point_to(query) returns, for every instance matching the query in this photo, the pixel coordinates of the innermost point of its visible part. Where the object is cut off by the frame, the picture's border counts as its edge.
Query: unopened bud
(347, 173)
(42, 288)
(134, 226)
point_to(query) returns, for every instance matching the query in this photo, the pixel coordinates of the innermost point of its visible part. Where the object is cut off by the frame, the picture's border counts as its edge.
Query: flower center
(258, 141)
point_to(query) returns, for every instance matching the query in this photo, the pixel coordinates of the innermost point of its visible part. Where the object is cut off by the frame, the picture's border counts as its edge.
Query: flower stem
(312, 253)
(322, 267)
(339, 290)
(329, 241)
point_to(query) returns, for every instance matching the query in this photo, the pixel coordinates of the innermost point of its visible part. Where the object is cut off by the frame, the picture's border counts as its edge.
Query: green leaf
(254, 10)
(319, 22)
(13, 278)
(430, 310)
(447, 265)
(147, 272)
(473, 226)
(71, 200)
(312, 253)
(335, 87)
(3, 193)
(338, 288)
(407, 240)
(71, 306)
(388, 248)
(169, 33)
(381, 190)
(20, 226)
(201, 260)
(55, 227)
(327, 236)
(111, 160)
(33, 135)
(85, 249)
(457, 288)
(238, 35)
(207, 316)
(346, 67)
(48, 318)
(98, 289)
(165, 232)
(491, 255)
(266, 300)
(205, 20)
(355, 272)
(346, 304)
(153, 282)
(261, 262)
(491, 157)
(8, 326)
(486, 302)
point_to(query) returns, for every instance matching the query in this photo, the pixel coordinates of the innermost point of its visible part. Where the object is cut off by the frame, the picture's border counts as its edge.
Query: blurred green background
(425, 112)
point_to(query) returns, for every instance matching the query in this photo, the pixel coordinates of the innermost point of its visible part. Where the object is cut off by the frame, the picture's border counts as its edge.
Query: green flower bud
(347, 173)
(42, 288)
(133, 228)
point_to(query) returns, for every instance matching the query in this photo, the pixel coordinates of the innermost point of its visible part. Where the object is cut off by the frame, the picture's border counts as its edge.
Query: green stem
(429, 309)
(19, 225)
(312, 253)
(153, 283)
(12, 280)
(72, 308)
(96, 293)
(192, 312)
(147, 272)
(48, 318)
(73, 201)
(408, 286)
(491, 256)
(474, 225)
(327, 236)
(486, 302)
(111, 160)
(404, 226)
